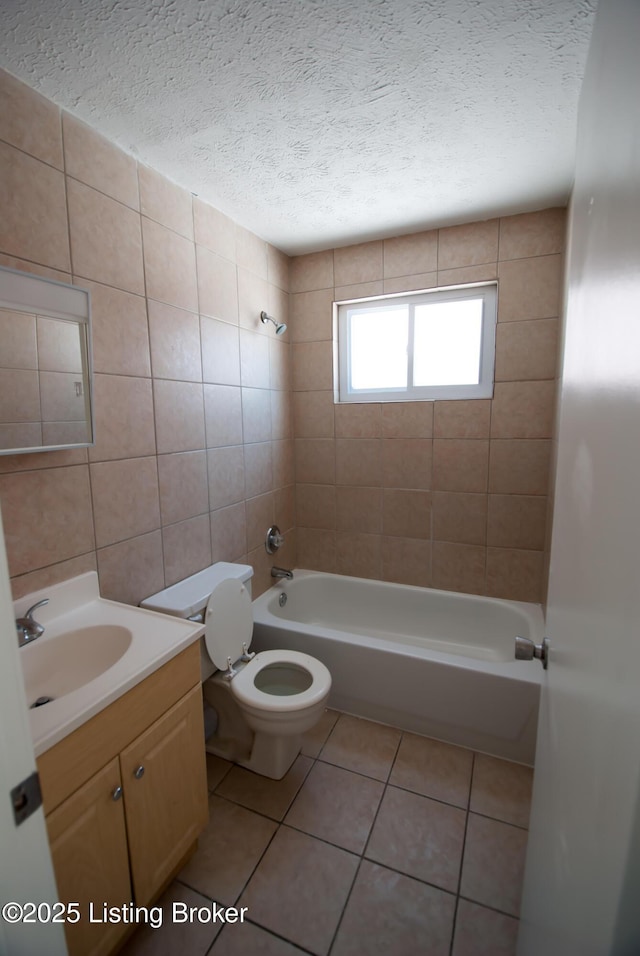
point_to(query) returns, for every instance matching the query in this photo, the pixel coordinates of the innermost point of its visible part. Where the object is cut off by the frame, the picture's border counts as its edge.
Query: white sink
(58, 666)
(91, 652)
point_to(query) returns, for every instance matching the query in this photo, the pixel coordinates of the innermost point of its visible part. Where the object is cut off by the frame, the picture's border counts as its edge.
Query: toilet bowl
(263, 702)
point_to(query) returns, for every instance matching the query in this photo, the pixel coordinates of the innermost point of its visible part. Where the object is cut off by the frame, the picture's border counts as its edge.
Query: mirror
(45, 372)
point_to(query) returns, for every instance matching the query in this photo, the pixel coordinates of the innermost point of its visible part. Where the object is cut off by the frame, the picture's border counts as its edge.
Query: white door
(582, 882)
(26, 874)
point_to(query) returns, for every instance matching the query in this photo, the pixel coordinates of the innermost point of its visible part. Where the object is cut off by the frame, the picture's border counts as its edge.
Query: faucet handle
(29, 615)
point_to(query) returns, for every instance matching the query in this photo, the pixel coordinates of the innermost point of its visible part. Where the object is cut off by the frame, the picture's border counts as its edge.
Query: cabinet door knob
(117, 793)
(139, 772)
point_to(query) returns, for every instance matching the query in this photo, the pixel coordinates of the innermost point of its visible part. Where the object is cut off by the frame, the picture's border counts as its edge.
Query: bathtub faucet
(281, 573)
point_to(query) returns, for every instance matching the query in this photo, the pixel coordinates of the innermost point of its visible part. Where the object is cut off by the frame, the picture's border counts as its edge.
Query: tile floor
(375, 842)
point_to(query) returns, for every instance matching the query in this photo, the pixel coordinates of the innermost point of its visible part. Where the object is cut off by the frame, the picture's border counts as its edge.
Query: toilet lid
(229, 622)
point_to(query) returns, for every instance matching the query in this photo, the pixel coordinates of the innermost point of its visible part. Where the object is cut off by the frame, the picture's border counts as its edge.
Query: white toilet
(263, 702)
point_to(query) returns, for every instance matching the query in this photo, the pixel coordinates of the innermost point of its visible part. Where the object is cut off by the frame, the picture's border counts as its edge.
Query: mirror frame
(36, 295)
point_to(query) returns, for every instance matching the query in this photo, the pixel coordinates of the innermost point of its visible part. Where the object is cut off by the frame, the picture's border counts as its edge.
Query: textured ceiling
(323, 122)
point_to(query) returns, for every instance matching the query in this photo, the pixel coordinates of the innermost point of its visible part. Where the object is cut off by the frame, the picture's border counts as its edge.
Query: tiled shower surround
(209, 428)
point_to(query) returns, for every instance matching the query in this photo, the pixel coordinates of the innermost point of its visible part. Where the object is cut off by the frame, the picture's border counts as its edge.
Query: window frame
(345, 394)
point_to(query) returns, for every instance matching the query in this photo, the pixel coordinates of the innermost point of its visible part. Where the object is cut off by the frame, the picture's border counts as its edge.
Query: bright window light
(379, 360)
(447, 343)
(435, 344)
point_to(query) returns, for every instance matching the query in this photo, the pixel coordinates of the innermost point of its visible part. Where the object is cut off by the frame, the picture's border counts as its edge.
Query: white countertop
(76, 604)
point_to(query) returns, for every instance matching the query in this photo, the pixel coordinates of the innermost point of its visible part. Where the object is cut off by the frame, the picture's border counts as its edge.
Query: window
(421, 346)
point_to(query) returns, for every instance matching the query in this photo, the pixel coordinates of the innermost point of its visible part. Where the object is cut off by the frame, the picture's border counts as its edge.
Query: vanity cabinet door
(88, 840)
(165, 786)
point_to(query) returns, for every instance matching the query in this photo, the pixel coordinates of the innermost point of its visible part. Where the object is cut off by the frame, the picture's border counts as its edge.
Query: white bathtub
(433, 662)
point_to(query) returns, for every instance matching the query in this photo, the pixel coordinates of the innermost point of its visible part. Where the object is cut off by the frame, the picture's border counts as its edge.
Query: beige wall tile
(54, 574)
(164, 201)
(358, 290)
(255, 369)
(482, 273)
(223, 415)
(214, 230)
(186, 547)
(251, 252)
(285, 507)
(315, 460)
(19, 395)
(517, 521)
(468, 245)
(60, 527)
(460, 465)
(183, 484)
(283, 462)
(256, 415)
(313, 271)
(358, 421)
(175, 343)
(228, 533)
(358, 461)
(410, 255)
(260, 517)
(424, 280)
(220, 352)
(29, 121)
(359, 555)
(112, 253)
(125, 499)
(46, 459)
(179, 410)
(33, 268)
(530, 289)
(407, 419)
(359, 263)
(533, 234)
(59, 346)
(280, 365)
(523, 410)
(459, 518)
(312, 366)
(281, 415)
(406, 514)
(515, 574)
(406, 463)
(278, 308)
(312, 316)
(316, 506)
(526, 350)
(406, 561)
(132, 570)
(313, 414)
(359, 509)
(316, 549)
(462, 419)
(458, 567)
(217, 285)
(119, 331)
(23, 435)
(33, 224)
(226, 476)
(124, 418)
(258, 469)
(278, 268)
(169, 266)
(95, 161)
(253, 298)
(519, 467)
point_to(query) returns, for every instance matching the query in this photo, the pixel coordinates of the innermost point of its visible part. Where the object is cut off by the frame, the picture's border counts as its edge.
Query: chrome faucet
(28, 629)
(281, 573)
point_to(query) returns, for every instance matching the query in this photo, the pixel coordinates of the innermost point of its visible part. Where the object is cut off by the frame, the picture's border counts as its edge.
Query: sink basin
(56, 666)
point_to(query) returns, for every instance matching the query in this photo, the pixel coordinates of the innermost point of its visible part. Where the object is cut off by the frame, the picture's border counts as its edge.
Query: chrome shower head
(280, 326)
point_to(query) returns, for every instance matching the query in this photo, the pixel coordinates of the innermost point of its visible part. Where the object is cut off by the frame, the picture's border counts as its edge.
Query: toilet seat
(244, 688)
(229, 623)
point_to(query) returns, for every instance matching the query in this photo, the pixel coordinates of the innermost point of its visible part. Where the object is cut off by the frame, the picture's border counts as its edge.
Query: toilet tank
(188, 598)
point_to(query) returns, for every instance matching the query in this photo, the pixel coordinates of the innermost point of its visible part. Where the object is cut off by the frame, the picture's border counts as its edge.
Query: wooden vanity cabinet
(120, 830)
